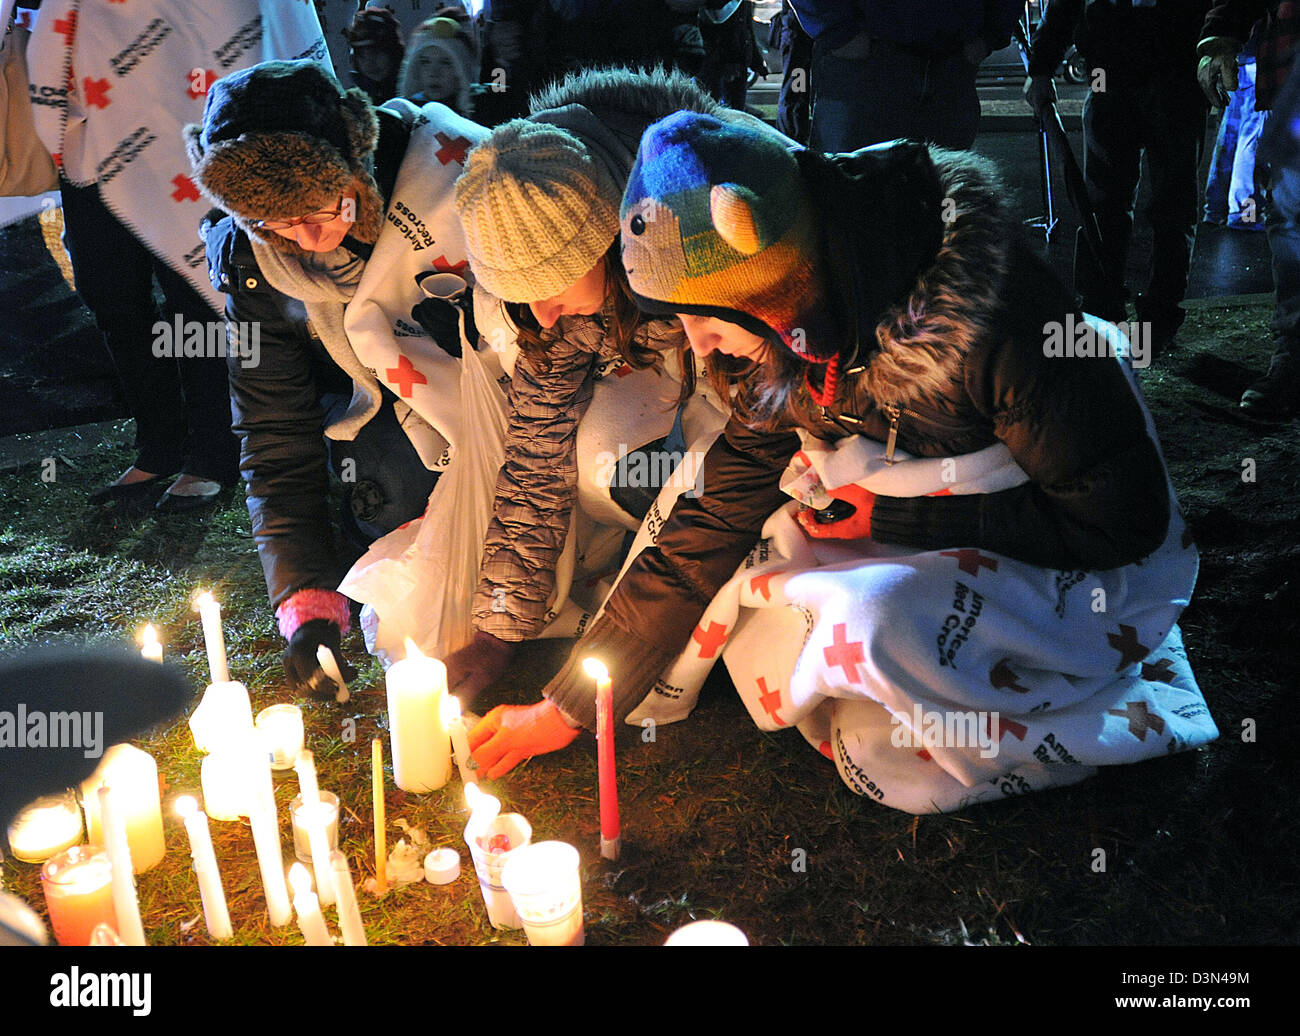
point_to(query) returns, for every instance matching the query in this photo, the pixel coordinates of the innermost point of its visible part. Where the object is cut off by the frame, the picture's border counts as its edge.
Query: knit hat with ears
(281, 140)
(538, 209)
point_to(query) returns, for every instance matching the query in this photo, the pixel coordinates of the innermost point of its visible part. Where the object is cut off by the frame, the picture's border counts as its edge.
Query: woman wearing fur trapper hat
(306, 172)
(538, 202)
(974, 590)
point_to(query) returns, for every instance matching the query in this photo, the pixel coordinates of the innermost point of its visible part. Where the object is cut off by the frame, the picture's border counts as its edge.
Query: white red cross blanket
(939, 679)
(113, 84)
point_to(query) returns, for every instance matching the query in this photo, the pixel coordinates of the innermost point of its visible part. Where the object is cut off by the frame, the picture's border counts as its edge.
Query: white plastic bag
(419, 580)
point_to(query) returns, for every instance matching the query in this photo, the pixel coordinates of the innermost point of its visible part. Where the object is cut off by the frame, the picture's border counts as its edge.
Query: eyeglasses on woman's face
(312, 219)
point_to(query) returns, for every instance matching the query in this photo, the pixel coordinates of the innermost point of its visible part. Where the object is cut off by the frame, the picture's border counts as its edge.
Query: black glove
(301, 667)
(441, 318)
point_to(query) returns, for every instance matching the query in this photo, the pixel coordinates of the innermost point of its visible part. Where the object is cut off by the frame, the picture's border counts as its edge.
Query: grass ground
(1199, 848)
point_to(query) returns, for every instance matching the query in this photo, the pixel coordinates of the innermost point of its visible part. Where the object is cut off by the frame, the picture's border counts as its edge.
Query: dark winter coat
(964, 363)
(276, 405)
(1278, 36)
(1155, 41)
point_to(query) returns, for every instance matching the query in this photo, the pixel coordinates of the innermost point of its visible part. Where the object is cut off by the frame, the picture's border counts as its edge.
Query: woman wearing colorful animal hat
(538, 202)
(973, 592)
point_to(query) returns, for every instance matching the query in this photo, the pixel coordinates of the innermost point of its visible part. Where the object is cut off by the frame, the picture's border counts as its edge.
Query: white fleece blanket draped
(938, 679)
(139, 72)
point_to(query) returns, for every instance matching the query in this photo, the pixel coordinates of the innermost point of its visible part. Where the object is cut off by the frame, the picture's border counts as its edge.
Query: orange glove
(848, 518)
(510, 734)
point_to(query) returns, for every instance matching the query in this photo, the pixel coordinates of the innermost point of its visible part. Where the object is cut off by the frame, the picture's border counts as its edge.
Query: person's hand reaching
(477, 665)
(511, 734)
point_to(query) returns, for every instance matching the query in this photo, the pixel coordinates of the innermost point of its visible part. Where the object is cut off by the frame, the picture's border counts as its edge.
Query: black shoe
(130, 494)
(1276, 396)
(175, 503)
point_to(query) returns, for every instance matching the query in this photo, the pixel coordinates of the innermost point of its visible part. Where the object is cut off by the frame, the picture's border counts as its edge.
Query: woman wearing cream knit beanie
(538, 202)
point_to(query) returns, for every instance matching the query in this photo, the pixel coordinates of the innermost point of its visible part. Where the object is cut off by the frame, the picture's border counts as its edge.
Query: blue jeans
(867, 93)
(1282, 223)
(387, 483)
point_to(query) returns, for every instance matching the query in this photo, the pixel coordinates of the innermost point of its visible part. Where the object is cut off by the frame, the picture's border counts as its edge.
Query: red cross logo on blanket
(96, 91)
(1002, 677)
(844, 654)
(453, 148)
(1126, 643)
(711, 639)
(185, 189)
(1160, 672)
(1000, 725)
(67, 26)
(762, 585)
(770, 700)
(969, 560)
(1140, 719)
(406, 376)
(444, 265)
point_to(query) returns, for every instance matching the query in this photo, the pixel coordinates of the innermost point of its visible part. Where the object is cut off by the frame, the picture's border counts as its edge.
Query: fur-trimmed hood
(915, 349)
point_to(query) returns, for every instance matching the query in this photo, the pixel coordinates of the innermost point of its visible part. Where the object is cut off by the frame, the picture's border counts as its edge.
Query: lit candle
(298, 819)
(483, 809)
(152, 649)
(312, 812)
(78, 887)
(233, 775)
(310, 920)
(354, 932)
(420, 746)
(280, 730)
(607, 779)
(49, 825)
(377, 804)
(707, 933)
(126, 904)
(225, 714)
(546, 890)
(325, 659)
(210, 613)
(455, 723)
(133, 775)
(215, 913)
(270, 860)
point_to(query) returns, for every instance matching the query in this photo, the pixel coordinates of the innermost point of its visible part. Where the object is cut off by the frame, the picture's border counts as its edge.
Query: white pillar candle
(305, 903)
(48, 826)
(455, 723)
(280, 730)
(215, 641)
(126, 904)
(270, 860)
(421, 748)
(313, 815)
(326, 660)
(152, 649)
(224, 714)
(233, 775)
(213, 895)
(707, 933)
(354, 932)
(134, 777)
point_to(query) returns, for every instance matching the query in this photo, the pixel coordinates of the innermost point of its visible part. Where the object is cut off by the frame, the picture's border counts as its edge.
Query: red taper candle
(607, 779)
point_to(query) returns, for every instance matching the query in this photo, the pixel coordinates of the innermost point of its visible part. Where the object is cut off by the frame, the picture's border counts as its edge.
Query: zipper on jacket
(894, 413)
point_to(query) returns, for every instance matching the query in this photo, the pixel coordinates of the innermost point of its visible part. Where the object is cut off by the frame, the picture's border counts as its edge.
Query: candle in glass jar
(215, 913)
(707, 933)
(152, 649)
(281, 733)
(133, 775)
(420, 744)
(78, 887)
(312, 814)
(215, 641)
(49, 825)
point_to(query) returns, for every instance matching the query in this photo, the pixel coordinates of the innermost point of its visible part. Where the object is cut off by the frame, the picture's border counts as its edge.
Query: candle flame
(203, 600)
(299, 879)
(186, 805)
(413, 650)
(150, 636)
(450, 709)
(595, 668)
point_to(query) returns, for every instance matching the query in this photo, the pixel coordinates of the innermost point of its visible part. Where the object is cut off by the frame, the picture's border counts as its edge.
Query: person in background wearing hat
(538, 202)
(305, 171)
(881, 301)
(375, 39)
(441, 65)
